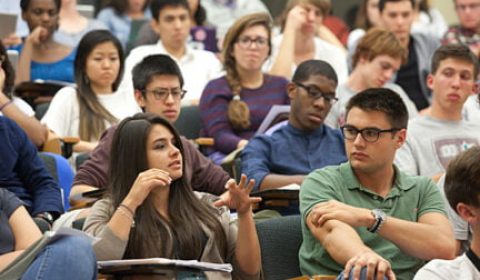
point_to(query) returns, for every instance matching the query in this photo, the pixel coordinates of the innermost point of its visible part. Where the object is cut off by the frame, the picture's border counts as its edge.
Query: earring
(85, 79)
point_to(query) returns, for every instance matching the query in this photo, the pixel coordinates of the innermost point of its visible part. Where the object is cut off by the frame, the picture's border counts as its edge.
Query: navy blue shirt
(23, 173)
(8, 204)
(290, 151)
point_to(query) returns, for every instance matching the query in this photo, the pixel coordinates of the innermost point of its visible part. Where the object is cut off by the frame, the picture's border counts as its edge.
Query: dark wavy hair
(92, 113)
(9, 72)
(156, 6)
(181, 236)
(381, 100)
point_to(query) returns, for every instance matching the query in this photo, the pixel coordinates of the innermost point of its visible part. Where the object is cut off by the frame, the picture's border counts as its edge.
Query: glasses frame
(169, 90)
(371, 129)
(251, 41)
(328, 99)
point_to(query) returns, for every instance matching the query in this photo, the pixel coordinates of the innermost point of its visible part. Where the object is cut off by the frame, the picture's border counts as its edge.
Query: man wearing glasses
(304, 144)
(468, 30)
(366, 217)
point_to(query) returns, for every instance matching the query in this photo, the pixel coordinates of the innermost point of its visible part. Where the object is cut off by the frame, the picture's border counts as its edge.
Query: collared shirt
(197, 66)
(409, 199)
(291, 151)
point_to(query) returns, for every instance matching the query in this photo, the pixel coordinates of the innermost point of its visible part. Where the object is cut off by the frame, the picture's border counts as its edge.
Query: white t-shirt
(432, 143)
(336, 116)
(323, 51)
(459, 268)
(22, 106)
(63, 114)
(198, 68)
(471, 109)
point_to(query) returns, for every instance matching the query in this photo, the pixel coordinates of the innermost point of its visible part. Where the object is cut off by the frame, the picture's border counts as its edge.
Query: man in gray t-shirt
(378, 57)
(437, 137)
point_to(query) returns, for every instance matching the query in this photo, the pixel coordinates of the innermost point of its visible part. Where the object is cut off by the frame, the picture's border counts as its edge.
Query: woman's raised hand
(38, 36)
(238, 196)
(145, 183)
(296, 18)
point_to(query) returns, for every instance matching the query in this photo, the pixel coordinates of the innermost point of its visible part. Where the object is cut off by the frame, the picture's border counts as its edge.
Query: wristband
(125, 214)
(127, 208)
(6, 104)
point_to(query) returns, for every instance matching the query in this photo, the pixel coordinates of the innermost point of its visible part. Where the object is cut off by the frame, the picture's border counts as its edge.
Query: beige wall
(447, 8)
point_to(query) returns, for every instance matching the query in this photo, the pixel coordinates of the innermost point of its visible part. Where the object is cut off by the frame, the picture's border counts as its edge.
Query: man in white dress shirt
(172, 23)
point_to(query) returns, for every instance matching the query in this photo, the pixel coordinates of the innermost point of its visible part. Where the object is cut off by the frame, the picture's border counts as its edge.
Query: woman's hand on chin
(147, 181)
(38, 36)
(238, 196)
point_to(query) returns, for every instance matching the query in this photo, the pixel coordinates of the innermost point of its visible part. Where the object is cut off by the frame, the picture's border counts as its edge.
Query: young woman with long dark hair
(150, 210)
(94, 105)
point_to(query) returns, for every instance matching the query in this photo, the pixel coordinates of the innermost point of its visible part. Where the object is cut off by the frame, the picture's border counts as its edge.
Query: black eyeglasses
(314, 93)
(246, 42)
(368, 134)
(163, 93)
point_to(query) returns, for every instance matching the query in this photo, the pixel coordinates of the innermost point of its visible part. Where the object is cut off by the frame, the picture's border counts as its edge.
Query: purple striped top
(214, 104)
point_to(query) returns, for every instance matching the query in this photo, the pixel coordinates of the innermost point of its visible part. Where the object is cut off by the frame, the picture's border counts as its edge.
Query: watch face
(380, 213)
(47, 216)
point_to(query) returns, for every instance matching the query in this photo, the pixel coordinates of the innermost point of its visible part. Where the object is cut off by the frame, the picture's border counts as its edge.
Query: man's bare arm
(345, 246)
(339, 239)
(414, 238)
(429, 238)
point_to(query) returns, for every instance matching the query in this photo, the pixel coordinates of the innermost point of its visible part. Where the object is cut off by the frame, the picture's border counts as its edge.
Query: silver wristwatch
(380, 218)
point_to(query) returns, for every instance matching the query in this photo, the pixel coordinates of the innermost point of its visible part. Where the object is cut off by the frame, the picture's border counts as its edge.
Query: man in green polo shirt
(365, 216)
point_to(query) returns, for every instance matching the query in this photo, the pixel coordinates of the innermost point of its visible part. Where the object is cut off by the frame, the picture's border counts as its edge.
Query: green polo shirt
(409, 198)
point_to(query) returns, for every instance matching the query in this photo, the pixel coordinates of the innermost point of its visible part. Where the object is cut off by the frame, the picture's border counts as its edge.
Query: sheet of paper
(162, 261)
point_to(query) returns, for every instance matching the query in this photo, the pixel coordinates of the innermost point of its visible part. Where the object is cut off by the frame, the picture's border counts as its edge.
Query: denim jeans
(363, 275)
(70, 257)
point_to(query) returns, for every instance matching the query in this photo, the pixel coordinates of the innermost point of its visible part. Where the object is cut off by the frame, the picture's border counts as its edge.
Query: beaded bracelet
(6, 104)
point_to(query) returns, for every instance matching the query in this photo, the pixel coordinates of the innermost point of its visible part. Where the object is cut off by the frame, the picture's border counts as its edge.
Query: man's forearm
(429, 238)
(340, 240)
(275, 181)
